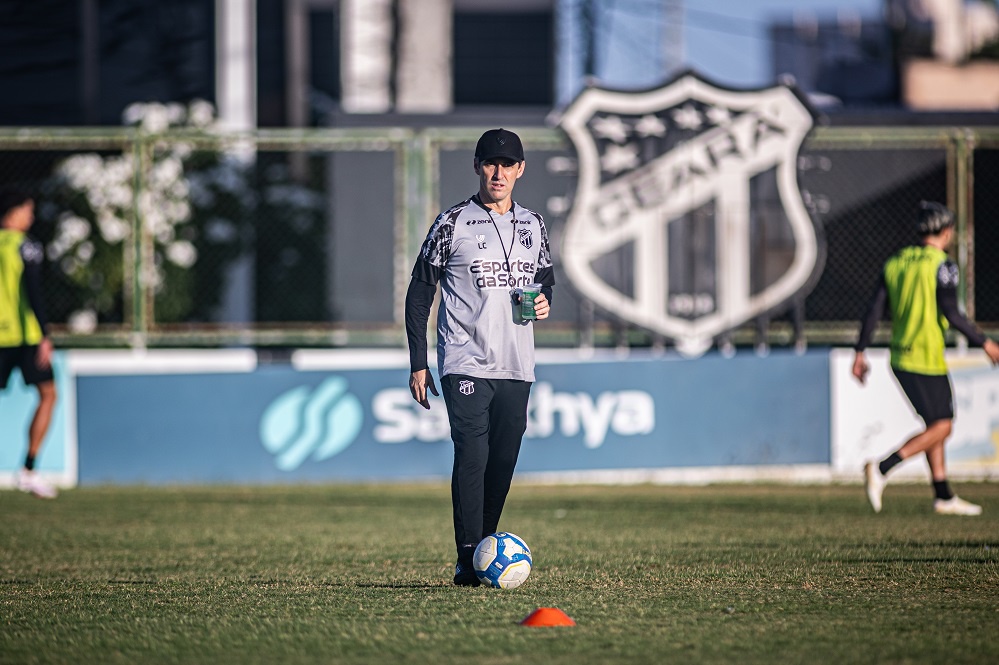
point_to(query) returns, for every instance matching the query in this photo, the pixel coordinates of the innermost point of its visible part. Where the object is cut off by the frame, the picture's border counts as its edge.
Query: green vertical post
(417, 167)
(963, 151)
(137, 265)
(418, 164)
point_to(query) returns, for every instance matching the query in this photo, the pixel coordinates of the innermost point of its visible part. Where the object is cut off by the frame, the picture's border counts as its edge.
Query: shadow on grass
(402, 585)
(914, 559)
(963, 544)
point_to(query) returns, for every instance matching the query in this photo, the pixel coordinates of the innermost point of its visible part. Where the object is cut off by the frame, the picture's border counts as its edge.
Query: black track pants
(488, 418)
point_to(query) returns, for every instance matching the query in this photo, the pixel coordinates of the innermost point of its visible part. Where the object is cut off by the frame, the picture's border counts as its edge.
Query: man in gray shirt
(480, 251)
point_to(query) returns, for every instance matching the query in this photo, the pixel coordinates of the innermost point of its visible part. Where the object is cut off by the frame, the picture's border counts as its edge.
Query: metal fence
(306, 238)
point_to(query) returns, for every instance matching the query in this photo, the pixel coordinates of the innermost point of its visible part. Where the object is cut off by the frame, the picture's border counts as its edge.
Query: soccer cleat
(464, 575)
(29, 481)
(874, 483)
(955, 506)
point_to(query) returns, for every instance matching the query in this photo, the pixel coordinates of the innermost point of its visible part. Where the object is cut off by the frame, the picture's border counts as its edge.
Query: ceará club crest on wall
(687, 218)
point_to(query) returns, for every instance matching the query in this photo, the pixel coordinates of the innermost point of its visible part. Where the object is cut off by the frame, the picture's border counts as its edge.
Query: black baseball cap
(499, 143)
(933, 218)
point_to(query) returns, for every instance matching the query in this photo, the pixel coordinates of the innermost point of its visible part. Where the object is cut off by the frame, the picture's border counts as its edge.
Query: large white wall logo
(305, 421)
(670, 176)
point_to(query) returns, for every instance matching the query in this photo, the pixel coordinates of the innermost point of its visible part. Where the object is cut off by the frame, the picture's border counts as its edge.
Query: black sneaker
(464, 575)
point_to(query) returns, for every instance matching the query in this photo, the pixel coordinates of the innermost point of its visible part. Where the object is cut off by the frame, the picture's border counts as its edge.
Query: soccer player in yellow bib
(919, 287)
(24, 343)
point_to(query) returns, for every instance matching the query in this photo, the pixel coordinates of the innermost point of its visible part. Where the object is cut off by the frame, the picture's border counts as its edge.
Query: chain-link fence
(298, 238)
(865, 198)
(869, 183)
(194, 238)
(983, 236)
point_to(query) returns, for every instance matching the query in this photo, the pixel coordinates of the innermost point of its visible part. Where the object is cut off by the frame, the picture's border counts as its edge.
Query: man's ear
(475, 165)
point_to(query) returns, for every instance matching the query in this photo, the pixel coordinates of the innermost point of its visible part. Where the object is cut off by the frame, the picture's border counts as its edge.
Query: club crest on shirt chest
(687, 218)
(526, 237)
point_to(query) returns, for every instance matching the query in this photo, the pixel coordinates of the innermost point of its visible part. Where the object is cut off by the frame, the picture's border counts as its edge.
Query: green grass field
(361, 574)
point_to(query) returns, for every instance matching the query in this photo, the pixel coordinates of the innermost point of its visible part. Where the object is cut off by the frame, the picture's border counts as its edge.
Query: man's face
(498, 176)
(20, 218)
(948, 236)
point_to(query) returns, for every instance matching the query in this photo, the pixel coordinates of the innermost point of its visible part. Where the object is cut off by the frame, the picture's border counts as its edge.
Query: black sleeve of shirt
(32, 280)
(419, 300)
(546, 278)
(425, 271)
(947, 304)
(875, 312)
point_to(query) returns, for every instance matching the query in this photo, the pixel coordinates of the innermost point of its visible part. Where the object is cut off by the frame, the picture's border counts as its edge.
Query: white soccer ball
(502, 560)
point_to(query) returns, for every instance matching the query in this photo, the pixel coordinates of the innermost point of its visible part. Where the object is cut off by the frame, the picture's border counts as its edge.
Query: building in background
(426, 57)
(82, 62)
(948, 53)
(276, 243)
(300, 63)
(847, 61)
(923, 55)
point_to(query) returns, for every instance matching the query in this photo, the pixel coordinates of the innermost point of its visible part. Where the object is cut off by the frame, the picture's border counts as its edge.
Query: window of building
(505, 58)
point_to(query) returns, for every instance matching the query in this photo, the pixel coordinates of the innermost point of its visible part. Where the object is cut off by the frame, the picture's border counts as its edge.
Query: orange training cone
(547, 616)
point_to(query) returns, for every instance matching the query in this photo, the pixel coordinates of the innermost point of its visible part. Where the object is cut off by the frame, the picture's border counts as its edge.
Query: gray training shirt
(480, 257)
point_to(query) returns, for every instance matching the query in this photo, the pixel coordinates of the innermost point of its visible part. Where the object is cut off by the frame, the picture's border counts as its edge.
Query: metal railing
(307, 237)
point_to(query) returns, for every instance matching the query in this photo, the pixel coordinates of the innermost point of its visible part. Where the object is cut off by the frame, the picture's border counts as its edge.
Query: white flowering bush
(189, 202)
(199, 209)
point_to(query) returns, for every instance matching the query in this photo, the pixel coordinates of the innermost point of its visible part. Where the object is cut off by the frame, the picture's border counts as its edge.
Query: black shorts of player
(929, 394)
(24, 358)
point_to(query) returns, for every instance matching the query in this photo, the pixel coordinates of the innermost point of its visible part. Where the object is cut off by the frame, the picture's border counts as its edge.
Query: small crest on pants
(466, 387)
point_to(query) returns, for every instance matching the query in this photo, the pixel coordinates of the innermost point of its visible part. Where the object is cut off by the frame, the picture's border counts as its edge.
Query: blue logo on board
(311, 421)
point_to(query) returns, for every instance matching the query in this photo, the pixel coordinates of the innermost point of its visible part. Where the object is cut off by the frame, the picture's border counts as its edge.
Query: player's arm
(543, 303)
(419, 300)
(947, 280)
(427, 272)
(31, 278)
(545, 275)
(875, 312)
